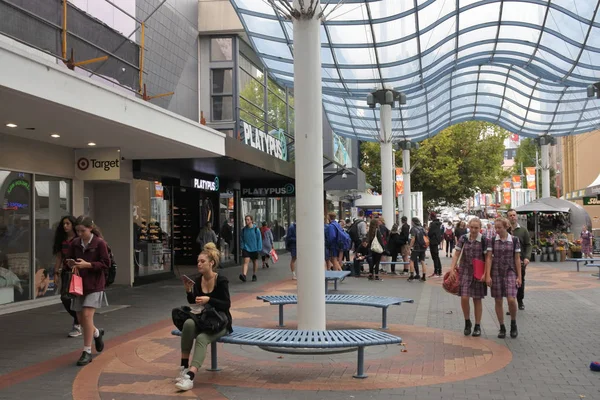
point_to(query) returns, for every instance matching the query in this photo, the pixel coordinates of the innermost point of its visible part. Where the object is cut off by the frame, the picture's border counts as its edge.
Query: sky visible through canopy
(524, 65)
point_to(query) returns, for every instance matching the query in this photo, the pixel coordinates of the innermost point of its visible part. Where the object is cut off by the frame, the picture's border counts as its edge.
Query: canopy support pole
(387, 167)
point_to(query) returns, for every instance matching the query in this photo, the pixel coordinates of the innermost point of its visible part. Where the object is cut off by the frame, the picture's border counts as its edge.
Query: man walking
(435, 238)
(404, 245)
(526, 248)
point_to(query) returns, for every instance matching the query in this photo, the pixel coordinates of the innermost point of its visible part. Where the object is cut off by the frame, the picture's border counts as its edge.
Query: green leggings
(189, 333)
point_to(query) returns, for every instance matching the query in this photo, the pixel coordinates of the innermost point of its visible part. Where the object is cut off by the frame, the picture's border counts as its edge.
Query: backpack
(112, 269)
(344, 242)
(448, 234)
(353, 231)
(422, 239)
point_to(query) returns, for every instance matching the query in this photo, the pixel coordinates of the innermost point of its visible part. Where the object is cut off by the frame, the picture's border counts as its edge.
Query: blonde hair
(475, 220)
(503, 221)
(210, 250)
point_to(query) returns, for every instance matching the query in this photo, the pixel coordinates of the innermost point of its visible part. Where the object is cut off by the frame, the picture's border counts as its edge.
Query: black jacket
(435, 232)
(394, 243)
(219, 297)
(404, 234)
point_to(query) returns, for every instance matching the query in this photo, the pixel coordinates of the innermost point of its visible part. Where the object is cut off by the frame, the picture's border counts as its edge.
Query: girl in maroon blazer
(88, 256)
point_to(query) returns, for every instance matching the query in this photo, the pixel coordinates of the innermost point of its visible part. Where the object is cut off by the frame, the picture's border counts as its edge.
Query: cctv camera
(344, 175)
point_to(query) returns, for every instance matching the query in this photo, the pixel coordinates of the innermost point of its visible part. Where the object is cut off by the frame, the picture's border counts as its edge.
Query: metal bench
(335, 276)
(345, 299)
(580, 260)
(284, 338)
(597, 266)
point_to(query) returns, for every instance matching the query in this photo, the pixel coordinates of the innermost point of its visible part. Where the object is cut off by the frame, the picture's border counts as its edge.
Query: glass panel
(276, 112)
(52, 203)
(222, 81)
(257, 208)
(225, 232)
(152, 228)
(222, 108)
(252, 90)
(221, 49)
(252, 114)
(276, 221)
(15, 237)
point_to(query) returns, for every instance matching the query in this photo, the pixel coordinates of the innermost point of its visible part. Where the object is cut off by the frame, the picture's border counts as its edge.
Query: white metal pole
(545, 170)
(407, 206)
(387, 175)
(309, 172)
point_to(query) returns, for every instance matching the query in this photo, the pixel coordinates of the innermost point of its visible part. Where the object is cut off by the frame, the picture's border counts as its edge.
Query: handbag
(376, 246)
(274, 256)
(451, 282)
(65, 284)
(76, 284)
(209, 320)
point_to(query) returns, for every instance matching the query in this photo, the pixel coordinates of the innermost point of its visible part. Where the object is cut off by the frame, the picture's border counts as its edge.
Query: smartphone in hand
(187, 279)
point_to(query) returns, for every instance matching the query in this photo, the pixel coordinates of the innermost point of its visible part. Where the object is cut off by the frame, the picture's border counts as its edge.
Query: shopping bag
(274, 255)
(76, 285)
(478, 269)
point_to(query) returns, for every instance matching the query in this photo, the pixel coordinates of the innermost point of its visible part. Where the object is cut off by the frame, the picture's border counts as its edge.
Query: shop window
(221, 49)
(52, 203)
(152, 228)
(222, 108)
(15, 239)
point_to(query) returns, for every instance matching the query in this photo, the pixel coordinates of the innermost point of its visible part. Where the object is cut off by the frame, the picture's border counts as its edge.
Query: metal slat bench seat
(298, 339)
(596, 266)
(346, 299)
(583, 260)
(335, 276)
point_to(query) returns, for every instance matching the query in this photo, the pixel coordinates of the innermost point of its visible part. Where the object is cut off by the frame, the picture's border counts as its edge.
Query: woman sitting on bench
(209, 289)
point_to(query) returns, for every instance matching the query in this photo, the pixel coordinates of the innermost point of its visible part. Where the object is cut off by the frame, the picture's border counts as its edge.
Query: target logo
(83, 163)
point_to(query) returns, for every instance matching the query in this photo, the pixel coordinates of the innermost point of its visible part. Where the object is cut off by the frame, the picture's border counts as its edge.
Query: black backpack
(112, 269)
(353, 231)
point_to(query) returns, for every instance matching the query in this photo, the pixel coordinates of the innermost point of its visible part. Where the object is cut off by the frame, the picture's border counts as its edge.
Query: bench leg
(281, 325)
(360, 368)
(335, 282)
(326, 288)
(384, 318)
(214, 367)
(577, 265)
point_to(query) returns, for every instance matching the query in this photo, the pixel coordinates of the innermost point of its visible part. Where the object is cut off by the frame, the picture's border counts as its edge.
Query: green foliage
(449, 167)
(252, 106)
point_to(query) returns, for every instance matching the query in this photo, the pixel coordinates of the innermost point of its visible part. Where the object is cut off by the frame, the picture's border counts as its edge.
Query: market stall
(555, 226)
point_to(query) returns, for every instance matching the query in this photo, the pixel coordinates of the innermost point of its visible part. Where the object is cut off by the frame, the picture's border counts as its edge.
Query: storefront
(270, 202)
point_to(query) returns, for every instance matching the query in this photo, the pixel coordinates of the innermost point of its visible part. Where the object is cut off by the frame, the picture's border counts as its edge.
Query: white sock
(96, 333)
(87, 349)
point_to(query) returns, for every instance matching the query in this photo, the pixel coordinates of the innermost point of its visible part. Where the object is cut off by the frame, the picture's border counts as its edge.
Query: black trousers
(521, 290)
(374, 266)
(435, 256)
(394, 255)
(449, 246)
(67, 305)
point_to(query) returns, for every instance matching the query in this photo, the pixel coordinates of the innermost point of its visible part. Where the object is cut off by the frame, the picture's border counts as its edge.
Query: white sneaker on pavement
(185, 384)
(182, 374)
(294, 277)
(76, 331)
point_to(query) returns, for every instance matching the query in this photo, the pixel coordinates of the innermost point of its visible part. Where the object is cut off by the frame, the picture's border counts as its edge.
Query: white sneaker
(76, 331)
(294, 276)
(185, 384)
(182, 374)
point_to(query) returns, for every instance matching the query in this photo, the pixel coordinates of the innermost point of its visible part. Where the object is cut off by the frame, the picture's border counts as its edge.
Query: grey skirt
(92, 300)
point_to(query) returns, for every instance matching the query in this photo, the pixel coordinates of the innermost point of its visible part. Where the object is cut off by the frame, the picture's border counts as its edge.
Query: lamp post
(386, 98)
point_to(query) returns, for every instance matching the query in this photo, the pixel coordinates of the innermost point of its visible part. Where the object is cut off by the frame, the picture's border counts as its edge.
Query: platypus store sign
(268, 189)
(98, 164)
(272, 143)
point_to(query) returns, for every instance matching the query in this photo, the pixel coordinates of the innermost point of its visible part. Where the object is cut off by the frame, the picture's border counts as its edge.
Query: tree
(252, 103)
(526, 157)
(450, 166)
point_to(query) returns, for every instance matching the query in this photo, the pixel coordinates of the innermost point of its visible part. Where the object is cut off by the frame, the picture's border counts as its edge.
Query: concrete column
(77, 193)
(387, 167)
(309, 171)
(407, 205)
(545, 170)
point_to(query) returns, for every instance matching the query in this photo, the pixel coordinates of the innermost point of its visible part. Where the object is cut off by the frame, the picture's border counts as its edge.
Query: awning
(524, 65)
(538, 206)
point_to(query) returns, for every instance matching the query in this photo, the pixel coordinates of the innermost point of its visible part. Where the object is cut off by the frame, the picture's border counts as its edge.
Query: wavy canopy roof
(524, 65)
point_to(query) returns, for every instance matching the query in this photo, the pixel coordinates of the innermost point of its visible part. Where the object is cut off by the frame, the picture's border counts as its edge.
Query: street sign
(591, 201)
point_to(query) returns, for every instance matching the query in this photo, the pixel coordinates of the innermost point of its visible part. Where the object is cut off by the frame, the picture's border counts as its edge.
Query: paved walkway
(549, 360)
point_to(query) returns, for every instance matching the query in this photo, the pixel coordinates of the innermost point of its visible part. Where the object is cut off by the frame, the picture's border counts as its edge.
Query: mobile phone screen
(186, 278)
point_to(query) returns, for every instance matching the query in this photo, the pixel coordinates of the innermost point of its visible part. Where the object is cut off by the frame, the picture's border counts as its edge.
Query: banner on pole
(506, 192)
(399, 182)
(530, 174)
(516, 181)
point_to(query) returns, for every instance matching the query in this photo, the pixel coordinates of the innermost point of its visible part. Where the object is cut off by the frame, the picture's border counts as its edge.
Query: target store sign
(98, 164)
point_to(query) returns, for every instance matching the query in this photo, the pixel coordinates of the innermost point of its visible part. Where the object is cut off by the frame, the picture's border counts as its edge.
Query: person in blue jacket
(332, 229)
(251, 244)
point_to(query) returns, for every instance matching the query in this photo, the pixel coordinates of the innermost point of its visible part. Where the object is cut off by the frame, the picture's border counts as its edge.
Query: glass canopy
(524, 65)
